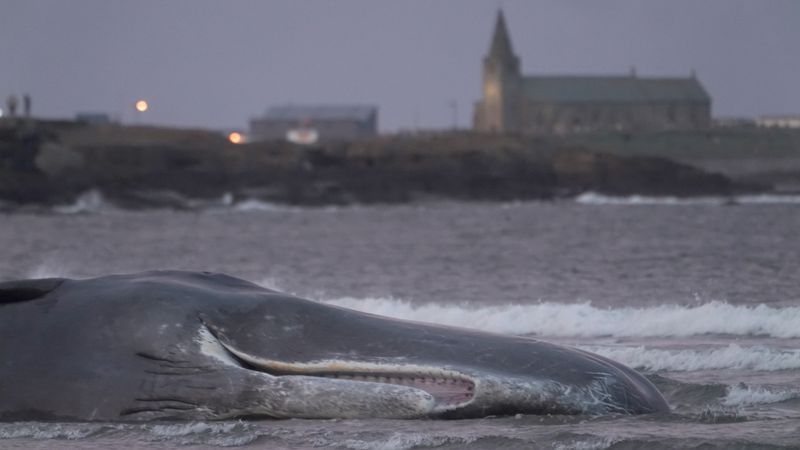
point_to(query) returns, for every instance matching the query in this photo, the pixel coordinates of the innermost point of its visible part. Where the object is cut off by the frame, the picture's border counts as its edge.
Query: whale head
(198, 346)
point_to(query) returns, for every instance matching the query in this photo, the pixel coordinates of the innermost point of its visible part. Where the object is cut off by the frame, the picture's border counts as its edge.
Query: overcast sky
(216, 63)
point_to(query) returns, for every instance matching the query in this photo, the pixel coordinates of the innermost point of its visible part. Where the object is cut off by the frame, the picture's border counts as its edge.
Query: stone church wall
(566, 118)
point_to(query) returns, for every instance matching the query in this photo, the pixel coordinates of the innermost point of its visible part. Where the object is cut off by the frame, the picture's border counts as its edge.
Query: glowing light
(302, 136)
(236, 138)
(142, 106)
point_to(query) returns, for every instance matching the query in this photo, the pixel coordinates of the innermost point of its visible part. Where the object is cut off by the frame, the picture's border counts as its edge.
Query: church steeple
(500, 48)
(502, 83)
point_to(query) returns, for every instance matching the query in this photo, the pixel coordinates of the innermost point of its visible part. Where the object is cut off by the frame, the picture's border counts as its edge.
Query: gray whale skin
(170, 345)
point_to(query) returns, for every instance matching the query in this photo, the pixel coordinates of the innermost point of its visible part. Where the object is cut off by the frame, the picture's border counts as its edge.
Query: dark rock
(135, 166)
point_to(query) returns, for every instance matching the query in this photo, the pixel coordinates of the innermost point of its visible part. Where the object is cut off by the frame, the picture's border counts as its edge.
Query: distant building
(581, 103)
(325, 122)
(778, 121)
(93, 118)
(734, 122)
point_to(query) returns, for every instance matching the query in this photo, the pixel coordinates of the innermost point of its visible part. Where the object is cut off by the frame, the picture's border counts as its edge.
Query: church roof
(321, 112)
(583, 89)
(500, 47)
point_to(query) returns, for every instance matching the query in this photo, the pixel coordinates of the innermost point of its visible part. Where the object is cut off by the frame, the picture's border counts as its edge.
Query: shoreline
(50, 163)
(95, 201)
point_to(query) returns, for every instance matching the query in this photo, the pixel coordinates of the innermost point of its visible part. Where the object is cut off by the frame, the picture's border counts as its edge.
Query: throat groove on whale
(449, 388)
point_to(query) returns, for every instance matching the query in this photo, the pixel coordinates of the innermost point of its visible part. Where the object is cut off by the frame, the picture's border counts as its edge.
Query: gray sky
(216, 63)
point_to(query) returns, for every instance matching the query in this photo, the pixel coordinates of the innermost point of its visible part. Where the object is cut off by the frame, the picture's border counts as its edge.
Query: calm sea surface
(702, 296)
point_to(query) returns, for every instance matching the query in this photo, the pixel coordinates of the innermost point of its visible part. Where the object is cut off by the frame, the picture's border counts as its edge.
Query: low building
(734, 122)
(561, 104)
(93, 118)
(784, 121)
(325, 122)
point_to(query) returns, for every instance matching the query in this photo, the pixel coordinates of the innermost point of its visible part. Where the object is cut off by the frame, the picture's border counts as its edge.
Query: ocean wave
(39, 430)
(592, 444)
(95, 201)
(191, 428)
(732, 356)
(249, 205)
(593, 198)
(405, 441)
(721, 414)
(222, 434)
(91, 201)
(746, 395)
(769, 199)
(585, 320)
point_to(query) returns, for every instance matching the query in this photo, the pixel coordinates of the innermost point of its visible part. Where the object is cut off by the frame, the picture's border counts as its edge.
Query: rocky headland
(136, 166)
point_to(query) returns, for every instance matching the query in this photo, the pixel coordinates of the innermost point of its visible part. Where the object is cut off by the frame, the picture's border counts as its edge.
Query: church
(565, 104)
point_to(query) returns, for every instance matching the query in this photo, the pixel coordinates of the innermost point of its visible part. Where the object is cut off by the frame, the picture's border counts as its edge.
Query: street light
(142, 106)
(236, 138)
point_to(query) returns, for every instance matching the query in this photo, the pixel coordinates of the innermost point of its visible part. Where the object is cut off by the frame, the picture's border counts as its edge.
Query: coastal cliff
(53, 162)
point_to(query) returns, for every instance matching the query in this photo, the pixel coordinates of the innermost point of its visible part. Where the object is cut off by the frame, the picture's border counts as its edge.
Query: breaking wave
(769, 199)
(40, 430)
(745, 395)
(593, 198)
(732, 356)
(95, 201)
(249, 205)
(222, 434)
(91, 201)
(585, 320)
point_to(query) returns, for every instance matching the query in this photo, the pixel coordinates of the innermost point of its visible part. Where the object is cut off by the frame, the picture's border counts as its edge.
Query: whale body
(172, 345)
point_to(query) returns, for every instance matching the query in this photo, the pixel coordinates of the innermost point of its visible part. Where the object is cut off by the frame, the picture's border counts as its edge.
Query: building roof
(500, 48)
(628, 89)
(321, 112)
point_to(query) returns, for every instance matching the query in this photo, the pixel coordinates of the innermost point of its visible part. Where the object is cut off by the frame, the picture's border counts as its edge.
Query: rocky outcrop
(47, 163)
(581, 171)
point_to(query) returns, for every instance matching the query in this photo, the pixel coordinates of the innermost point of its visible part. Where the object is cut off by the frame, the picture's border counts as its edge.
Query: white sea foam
(91, 201)
(258, 205)
(732, 357)
(405, 441)
(598, 444)
(223, 434)
(778, 199)
(255, 205)
(745, 395)
(593, 198)
(191, 428)
(585, 320)
(226, 199)
(37, 430)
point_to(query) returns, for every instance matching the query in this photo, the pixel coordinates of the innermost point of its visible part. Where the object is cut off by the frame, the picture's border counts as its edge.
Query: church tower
(499, 110)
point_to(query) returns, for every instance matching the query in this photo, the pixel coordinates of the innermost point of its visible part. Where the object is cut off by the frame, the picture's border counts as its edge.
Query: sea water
(701, 295)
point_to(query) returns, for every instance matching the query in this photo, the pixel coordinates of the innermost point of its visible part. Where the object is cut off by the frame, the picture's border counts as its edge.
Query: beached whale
(172, 345)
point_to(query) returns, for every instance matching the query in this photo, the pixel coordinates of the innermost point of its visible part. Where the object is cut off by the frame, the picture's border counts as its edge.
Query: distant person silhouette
(12, 105)
(26, 104)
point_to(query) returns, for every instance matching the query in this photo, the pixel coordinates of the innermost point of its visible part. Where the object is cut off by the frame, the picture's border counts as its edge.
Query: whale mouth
(447, 390)
(450, 389)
